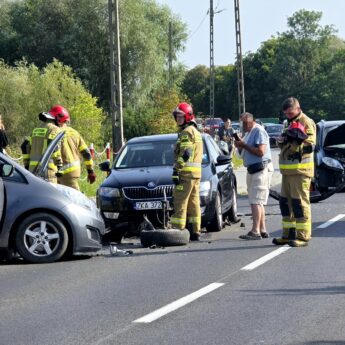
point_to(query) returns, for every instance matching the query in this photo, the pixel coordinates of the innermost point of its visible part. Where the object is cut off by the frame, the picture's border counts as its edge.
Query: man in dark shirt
(3, 137)
(226, 133)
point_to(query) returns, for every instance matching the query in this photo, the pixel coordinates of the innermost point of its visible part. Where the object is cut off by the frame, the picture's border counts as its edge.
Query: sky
(260, 19)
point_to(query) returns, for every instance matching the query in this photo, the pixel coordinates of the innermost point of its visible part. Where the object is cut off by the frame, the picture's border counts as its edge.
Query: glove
(175, 177)
(58, 174)
(91, 176)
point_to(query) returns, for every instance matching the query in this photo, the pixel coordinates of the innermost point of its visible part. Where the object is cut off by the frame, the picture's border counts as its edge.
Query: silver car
(42, 221)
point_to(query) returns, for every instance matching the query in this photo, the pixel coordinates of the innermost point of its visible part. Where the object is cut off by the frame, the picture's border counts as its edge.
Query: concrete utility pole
(240, 78)
(115, 76)
(170, 57)
(211, 61)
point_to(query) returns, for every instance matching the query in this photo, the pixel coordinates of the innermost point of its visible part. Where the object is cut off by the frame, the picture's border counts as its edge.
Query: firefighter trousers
(187, 205)
(69, 181)
(295, 207)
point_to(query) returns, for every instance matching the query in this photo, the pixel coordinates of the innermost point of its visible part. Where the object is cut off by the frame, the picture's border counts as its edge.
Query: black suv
(140, 180)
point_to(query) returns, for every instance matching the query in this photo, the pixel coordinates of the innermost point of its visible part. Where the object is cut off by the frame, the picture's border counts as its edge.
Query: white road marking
(331, 221)
(178, 303)
(265, 258)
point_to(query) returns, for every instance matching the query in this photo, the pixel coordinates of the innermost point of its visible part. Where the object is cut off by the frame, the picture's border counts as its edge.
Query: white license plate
(148, 205)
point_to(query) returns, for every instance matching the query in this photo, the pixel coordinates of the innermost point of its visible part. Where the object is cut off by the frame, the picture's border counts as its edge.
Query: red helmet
(185, 109)
(296, 131)
(60, 113)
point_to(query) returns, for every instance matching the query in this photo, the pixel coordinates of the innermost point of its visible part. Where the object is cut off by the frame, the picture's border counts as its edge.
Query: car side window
(16, 175)
(213, 149)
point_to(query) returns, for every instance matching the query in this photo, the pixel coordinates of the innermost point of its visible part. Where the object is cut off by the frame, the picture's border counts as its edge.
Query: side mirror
(104, 166)
(223, 159)
(6, 170)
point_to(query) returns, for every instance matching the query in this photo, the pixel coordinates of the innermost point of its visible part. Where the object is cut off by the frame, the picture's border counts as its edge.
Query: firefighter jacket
(298, 158)
(73, 149)
(34, 147)
(188, 153)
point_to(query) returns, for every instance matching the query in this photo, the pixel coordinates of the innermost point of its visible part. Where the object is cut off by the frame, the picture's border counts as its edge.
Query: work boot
(195, 236)
(298, 243)
(280, 241)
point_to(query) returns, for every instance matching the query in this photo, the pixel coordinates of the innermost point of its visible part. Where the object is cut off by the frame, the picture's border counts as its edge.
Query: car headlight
(75, 196)
(205, 188)
(109, 192)
(332, 163)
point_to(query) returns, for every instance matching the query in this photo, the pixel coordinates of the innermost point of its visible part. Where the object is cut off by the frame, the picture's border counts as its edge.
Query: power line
(199, 26)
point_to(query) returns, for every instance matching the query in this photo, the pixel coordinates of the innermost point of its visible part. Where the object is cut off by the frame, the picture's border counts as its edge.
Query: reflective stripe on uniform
(288, 225)
(303, 226)
(191, 169)
(194, 220)
(296, 166)
(39, 132)
(67, 168)
(179, 221)
(82, 147)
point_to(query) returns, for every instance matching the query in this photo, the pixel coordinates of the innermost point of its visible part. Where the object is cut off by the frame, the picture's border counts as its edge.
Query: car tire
(232, 213)
(41, 238)
(164, 238)
(216, 223)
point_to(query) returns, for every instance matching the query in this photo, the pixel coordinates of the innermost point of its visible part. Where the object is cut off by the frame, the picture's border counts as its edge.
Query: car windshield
(274, 129)
(148, 154)
(213, 121)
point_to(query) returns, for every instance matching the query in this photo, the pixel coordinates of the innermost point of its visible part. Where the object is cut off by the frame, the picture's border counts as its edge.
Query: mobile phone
(237, 138)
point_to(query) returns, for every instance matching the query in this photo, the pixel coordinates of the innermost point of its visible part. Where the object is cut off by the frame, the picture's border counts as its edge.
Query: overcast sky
(260, 19)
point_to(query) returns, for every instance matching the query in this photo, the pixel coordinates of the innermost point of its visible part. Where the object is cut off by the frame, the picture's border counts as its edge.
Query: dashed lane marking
(331, 221)
(178, 303)
(265, 258)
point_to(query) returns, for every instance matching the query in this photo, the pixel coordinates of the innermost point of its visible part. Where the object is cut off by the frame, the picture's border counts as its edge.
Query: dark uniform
(188, 157)
(296, 163)
(34, 147)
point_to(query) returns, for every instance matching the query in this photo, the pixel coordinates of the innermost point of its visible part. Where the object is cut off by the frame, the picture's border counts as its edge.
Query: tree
(25, 91)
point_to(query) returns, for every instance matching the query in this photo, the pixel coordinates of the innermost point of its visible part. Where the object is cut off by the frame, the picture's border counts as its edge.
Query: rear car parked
(140, 180)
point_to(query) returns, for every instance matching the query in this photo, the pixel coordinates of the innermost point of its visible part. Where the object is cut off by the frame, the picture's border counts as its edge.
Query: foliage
(76, 33)
(306, 61)
(25, 91)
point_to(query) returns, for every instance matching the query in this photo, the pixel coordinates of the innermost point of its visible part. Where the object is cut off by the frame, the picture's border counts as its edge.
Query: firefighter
(73, 148)
(187, 172)
(296, 164)
(34, 147)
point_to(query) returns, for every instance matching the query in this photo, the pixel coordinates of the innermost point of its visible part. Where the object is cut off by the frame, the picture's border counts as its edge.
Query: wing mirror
(6, 170)
(223, 159)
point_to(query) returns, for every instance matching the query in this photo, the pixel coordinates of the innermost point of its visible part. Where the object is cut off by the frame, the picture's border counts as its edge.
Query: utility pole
(240, 78)
(211, 61)
(115, 76)
(170, 57)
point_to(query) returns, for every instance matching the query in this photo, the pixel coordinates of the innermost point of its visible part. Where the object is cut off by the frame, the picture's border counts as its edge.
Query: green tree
(25, 91)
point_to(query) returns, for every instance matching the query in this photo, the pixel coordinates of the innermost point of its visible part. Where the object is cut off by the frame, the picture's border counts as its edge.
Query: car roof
(157, 137)
(331, 123)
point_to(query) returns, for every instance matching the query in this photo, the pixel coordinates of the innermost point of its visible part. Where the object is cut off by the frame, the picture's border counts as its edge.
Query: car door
(223, 172)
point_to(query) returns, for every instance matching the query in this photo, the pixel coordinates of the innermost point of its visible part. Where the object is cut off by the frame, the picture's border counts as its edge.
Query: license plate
(148, 205)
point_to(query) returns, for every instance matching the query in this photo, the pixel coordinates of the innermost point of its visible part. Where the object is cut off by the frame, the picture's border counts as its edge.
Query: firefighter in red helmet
(35, 146)
(296, 165)
(73, 149)
(187, 172)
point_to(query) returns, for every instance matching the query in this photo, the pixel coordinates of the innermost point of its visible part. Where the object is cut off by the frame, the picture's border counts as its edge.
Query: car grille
(143, 193)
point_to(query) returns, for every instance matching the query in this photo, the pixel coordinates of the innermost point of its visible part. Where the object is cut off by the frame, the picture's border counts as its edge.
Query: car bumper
(87, 227)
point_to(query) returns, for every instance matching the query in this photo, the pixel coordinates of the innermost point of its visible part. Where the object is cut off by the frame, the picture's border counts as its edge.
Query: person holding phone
(255, 150)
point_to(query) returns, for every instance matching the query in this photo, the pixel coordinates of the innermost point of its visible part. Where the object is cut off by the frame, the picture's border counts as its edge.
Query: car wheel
(216, 223)
(232, 213)
(41, 238)
(164, 238)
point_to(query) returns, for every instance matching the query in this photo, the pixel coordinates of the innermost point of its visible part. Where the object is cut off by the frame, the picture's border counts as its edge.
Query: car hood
(148, 177)
(336, 137)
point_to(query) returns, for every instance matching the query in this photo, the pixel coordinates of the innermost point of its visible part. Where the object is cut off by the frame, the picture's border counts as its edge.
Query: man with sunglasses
(296, 163)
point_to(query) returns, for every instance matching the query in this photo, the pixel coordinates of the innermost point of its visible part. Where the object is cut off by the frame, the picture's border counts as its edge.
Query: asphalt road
(295, 297)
